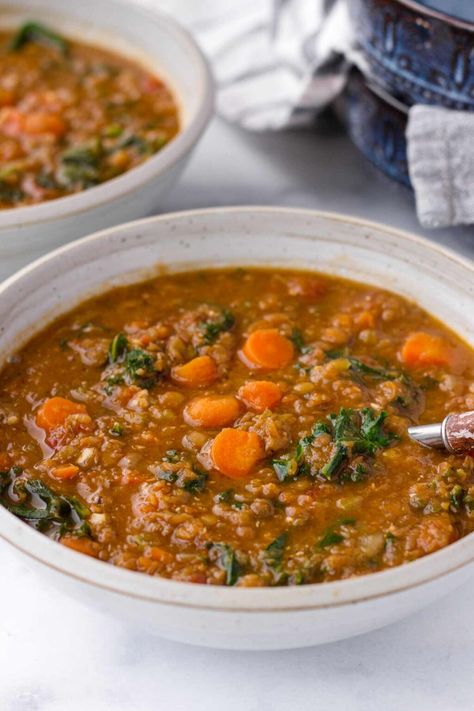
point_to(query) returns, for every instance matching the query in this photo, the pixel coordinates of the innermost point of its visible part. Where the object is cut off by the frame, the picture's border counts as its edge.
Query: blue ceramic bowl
(418, 54)
(376, 124)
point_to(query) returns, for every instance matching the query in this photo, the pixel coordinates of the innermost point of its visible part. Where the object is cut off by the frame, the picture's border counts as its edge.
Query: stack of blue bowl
(415, 53)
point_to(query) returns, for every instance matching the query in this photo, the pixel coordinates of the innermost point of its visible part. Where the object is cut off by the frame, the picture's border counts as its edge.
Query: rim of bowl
(131, 181)
(438, 14)
(131, 584)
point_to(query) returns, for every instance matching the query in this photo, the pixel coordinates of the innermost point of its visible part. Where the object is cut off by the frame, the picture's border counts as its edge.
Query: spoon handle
(455, 433)
(459, 432)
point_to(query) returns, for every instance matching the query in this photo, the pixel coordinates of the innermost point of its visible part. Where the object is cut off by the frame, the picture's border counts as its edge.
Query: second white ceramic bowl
(241, 618)
(160, 44)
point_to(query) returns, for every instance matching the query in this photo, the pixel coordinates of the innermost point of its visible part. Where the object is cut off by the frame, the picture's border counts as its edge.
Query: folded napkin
(276, 62)
(441, 165)
(279, 62)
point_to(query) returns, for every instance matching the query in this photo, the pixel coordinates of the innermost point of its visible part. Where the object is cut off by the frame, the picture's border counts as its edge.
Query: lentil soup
(73, 116)
(239, 427)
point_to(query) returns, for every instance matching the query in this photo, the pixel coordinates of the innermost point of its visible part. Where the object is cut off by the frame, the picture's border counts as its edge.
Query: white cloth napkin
(279, 62)
(441, 164)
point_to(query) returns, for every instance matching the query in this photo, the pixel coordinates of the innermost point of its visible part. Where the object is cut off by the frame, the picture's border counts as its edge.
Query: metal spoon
(455, 433)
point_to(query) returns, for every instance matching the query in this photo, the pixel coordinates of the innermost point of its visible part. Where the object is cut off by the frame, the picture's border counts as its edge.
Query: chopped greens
(298, 341)
(273, 555)
(140, 368)
(212, 329)
(80, 165)
(226, 497)
(138, 365)
(288, 467)
(197, 484)
(172, 456)
(116, 430)
(38, 34)
(10, 193)
(456, 497)
(330, 539)
(331, 536)
(47, 511)
(227, 561)
(353, 433)
(138, 142)
(118, 347)
(356, 433)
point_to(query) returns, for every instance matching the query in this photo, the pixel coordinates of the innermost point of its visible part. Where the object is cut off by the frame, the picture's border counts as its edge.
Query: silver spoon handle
(455, 433)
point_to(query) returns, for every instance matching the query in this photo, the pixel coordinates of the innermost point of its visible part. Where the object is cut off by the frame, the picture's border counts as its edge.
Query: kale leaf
(227, 561)
(273, 555)
(39, 34)
(212, 329)
(140, 368)
(118, 347)
(58, 514)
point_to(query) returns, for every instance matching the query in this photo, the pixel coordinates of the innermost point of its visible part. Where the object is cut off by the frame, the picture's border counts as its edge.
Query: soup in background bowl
(73, 116)
(242, 426)
(90, 125)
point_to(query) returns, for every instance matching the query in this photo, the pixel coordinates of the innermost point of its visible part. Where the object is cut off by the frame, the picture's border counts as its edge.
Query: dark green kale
(226, 559)
(288, 467)
(48, 511)
(212, 329)
(331, 536)
(10, 193)
(80, 165)
(356, 433)
(196, 484)
(116, 430)
(140, 368)
(118, 347)
(456, 497)
(39, 34)
(273, 556)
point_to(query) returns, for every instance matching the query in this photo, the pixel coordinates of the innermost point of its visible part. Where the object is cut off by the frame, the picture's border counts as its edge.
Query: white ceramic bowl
(159, 43)
(269, 618)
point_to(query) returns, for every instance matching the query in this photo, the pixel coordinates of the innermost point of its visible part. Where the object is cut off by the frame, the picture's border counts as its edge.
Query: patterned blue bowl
(419, 55)
(376, 124)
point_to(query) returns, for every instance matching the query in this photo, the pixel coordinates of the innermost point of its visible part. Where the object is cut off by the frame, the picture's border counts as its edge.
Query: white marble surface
(58, 655)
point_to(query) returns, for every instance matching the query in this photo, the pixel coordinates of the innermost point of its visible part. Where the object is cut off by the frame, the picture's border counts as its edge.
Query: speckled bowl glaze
(376, 124)
(233, 617)
(419, 55)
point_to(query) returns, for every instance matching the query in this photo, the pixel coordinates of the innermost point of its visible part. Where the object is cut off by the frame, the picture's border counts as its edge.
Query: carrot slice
(40, 122)
(260, 395)
(212, 411)
(159, 554)
(67, 471)
(236, 452)
(267, 348)
(82, 545)
(425, 349)
(198, 371)
(53, 412)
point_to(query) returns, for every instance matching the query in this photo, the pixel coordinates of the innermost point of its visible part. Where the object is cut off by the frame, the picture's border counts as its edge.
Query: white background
(58, 655)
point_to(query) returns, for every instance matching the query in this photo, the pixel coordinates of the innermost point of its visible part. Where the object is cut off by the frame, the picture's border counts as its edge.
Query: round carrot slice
(260, 395)
(198, 371)
(236, 452)
(267, 348)
(82, 545)
(53, 412)
(426, 349)
(67, 471)
(212, 411)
